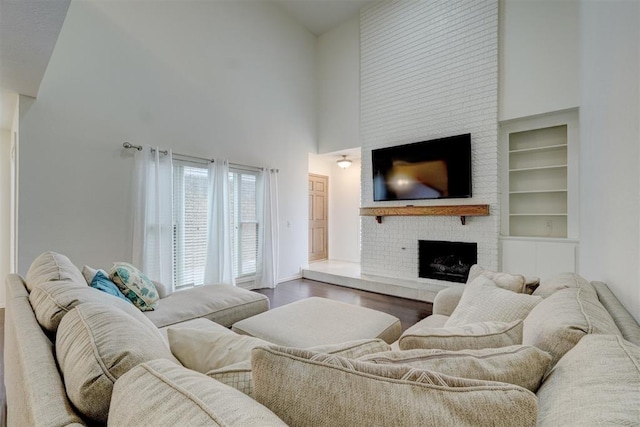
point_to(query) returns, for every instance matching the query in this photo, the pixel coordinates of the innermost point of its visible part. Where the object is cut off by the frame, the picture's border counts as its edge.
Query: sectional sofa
(492, 355)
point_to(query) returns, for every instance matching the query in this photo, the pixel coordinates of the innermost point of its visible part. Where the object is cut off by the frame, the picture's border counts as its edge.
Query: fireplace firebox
(448, 261)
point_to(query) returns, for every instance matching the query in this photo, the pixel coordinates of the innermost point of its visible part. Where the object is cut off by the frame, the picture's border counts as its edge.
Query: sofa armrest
(447, 300)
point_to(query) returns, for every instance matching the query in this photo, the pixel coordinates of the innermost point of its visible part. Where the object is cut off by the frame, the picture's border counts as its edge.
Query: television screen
(435, 169)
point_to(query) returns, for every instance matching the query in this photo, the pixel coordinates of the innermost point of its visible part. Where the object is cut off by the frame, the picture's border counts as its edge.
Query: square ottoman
(319, 321)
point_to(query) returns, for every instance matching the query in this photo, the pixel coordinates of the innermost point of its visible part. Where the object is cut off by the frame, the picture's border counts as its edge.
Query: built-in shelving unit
(462, 211)
(538, 164)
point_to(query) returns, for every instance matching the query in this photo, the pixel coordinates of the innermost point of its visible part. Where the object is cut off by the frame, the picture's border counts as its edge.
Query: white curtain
(219, 266)
(268, 254)
(153, 222)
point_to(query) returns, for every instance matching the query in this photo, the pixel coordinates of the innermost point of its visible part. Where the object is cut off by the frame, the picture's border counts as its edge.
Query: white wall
(609, 147)
(539, 57)
(216, 79)
(338, 68)
(429, 70)
(5, 209)
(344, 205)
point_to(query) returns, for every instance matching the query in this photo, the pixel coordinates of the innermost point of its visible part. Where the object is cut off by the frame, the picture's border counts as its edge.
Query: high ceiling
(29, 30)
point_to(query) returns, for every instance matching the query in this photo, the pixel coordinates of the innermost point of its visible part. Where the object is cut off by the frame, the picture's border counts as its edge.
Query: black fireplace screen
(448, 261)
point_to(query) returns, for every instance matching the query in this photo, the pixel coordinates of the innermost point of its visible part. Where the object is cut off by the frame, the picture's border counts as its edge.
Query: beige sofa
(590, 378)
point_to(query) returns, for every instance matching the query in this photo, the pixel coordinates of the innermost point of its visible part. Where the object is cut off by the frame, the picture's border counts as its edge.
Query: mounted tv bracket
(462, 211)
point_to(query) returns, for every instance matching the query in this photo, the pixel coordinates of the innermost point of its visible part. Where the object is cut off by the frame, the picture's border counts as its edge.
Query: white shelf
(528, 150)
(561, 190)
(538, 214)
(538, 168)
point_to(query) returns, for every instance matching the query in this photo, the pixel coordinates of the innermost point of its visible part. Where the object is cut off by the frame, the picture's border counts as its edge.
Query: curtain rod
(129, 146)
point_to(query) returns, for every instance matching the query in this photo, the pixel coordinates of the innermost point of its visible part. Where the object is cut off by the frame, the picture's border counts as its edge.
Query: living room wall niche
(429, 70)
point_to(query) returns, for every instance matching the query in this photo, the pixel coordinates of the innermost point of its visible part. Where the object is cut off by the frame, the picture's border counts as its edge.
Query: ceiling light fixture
(344, 162)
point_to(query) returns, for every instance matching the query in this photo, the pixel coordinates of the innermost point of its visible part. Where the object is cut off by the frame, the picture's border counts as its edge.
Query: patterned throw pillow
(102, 283)
(482, 301)
(135, 285)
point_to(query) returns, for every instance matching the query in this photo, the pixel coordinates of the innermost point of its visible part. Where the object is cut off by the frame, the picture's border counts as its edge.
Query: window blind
(190, 183)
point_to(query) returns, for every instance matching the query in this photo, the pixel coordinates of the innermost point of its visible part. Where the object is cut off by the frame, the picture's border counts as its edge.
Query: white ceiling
(319, 16)
(29, 30)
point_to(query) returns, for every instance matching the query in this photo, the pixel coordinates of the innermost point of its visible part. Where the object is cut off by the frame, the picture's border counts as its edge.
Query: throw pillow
(483, 301)
(510, 282)
(161, 393)
(472, 336)
(519, 365)
(95, 345)
(308, 388)
(596, 383)
(558, 282)
(135, 285)
(51, 266)
(89, 273)
(563, 318)
(239, 376)
(204, 350)
(102, 283)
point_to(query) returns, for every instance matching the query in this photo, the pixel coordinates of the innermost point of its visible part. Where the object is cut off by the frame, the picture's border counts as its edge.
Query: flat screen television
(434, 169)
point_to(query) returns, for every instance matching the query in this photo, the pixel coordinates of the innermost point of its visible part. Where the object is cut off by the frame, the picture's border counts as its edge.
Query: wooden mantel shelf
(462, 211)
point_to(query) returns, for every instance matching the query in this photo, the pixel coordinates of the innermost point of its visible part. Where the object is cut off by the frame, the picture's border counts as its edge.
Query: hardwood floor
(408, 311)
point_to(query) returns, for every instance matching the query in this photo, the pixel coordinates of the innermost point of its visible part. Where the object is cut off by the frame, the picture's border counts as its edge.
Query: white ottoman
(319, 321)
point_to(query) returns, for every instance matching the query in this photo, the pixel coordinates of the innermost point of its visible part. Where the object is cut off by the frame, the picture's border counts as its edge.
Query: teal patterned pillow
(135, 285)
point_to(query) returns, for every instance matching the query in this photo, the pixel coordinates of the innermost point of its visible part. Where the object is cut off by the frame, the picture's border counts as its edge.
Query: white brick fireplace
(429, 69)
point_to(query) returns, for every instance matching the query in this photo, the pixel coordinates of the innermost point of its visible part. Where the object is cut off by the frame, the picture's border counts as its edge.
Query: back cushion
(558, 282)
(95, 345)
(519, 365)
(53, 300)
(160, 393)
(511, 282)
(472, 336)
(306, 388)
(596, 383)
(563, 318)
(52, 266)
(482, 300)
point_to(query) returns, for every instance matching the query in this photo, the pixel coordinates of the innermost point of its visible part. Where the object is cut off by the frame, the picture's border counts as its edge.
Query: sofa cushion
(205, 350)
(595, 383)
(223, 304)
(239, 375)
(308, 388)
(482, 300)
(558, 282)
(472, 336)
(176, 396)
(519, 365)
(95, 345)
(135, 285)
(511, 282)
(563, 318)
(51, 266)
(52, 301)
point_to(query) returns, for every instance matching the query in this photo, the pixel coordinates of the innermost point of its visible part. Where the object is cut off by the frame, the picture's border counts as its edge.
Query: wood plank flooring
(408, 311)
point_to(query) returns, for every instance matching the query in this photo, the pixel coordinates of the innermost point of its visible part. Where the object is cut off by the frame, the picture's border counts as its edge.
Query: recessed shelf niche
(538, 160)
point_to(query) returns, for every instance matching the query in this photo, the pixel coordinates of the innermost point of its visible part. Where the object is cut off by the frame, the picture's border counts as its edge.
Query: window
(244, 221)
(190, 189)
